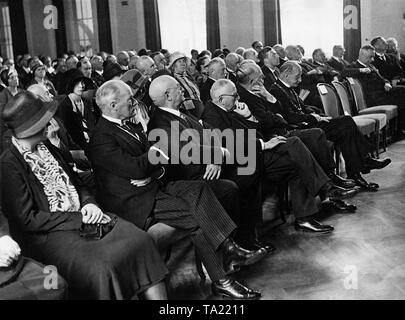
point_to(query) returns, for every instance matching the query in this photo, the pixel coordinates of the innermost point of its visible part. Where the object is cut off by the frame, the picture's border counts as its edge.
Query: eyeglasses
(178, 87)
(235, 95)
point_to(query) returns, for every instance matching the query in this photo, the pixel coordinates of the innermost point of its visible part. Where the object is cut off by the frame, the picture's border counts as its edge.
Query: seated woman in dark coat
(57, 221)
(22, 278)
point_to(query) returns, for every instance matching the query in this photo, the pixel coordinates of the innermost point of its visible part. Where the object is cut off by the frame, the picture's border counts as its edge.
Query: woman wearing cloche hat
(57, 221)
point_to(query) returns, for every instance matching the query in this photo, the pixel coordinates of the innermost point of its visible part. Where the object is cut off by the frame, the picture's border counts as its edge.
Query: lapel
(292, 96)
(135, 142)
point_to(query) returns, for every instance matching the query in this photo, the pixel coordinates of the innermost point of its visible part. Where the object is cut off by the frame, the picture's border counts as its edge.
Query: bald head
(146, 66)
(232, 61)
(123, 58)
(248, 71)
(221, 87)
(293, 53)
(166, 92)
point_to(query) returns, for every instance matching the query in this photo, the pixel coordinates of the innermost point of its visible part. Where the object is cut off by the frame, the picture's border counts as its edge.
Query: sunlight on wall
(183, 25)
(312, 24)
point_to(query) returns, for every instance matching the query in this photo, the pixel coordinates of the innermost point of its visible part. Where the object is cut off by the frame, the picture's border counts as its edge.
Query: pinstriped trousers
(192, 206)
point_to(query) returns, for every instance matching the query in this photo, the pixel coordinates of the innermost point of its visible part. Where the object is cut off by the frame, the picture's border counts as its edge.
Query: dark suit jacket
(372, 83)
(338, 65)
(24, 77)
(162, 119)
(390, 68)
(264, 112)
(293, 109)
(206, 90)
(73, 121)
(269, 77)
(25, 203)
(4, 229)
(97, 78)
(117, 158)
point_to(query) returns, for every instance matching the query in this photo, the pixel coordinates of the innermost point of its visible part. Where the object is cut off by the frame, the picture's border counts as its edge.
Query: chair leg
(384, 132)
(377, 138)
(337, 160)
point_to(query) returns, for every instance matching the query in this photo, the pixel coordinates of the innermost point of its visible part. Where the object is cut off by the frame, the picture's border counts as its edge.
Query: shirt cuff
(161, 152)
(262, 143)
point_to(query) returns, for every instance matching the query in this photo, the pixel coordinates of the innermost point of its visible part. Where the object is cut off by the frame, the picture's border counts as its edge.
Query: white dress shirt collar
(177, 113)
(286, 84)
(362, 64)
(114, 120)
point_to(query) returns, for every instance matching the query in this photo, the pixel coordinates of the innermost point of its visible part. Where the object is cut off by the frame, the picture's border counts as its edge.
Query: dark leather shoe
(364, 185)
(336, 193)
(341, 182)
(232, 289)
(339, 206)
(235, 257)
(265, 245)
(373, 164)
(311, 225)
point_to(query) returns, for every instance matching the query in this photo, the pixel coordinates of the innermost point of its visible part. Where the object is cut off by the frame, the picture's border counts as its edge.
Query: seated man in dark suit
(279, 159)
(393, 48)
(216, 70)
(167, 117)
(128, 174)
(319, 60)
(342, 131)
(270, 61)
(377, 89)
(233, 61)
(388, 64)
(98, 70)
(311, 76)
(337, 61)
(281, 53)
(22, 278)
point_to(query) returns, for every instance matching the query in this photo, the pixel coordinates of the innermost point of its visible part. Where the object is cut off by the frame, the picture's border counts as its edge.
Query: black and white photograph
(209, 156)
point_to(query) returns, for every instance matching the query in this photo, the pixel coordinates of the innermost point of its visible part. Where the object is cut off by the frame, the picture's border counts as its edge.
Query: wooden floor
(367, 251)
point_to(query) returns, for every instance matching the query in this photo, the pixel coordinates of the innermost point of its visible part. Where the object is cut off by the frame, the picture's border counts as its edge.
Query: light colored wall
(241, 22)
(127, 25)
(40, 41)
(383, 18)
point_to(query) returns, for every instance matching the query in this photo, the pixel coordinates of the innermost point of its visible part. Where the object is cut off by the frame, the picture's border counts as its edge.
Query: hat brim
(39, 121)
(174, 61)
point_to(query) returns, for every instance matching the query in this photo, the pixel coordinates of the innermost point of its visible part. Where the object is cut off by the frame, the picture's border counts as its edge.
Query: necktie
(277, 73)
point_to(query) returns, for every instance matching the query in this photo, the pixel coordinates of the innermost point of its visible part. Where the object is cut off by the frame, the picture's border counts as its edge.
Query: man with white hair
(280, 159)
(251, 54)
(233, 61)
(98, 70)
(128, 181)
(393, 48)
(216, 70)
(123, 60)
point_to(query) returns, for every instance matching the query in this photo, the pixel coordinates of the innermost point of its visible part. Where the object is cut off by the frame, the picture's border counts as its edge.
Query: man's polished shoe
(339, 206)
(311, 225)
(364, 185)
(341, 182)
(373, 164)
(232, 289)
(336, 193)
(235, 256)
(265, 245)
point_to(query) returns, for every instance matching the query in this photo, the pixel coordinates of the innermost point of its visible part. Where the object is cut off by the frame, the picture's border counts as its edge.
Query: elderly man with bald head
(128, 181)
(281, 159)
(216, 70)
(123, 59)
(233, 61)
(168, 96)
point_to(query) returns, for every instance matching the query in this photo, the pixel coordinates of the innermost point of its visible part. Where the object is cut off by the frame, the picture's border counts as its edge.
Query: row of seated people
(47, 197)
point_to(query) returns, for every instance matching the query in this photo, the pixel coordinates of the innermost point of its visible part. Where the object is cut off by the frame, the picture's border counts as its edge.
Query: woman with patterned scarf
(58, 222)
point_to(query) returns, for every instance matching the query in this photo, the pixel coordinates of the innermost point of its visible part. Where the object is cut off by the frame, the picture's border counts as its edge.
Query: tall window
(183, 25)
(81, 26)
(312, 24)
(6, 41)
